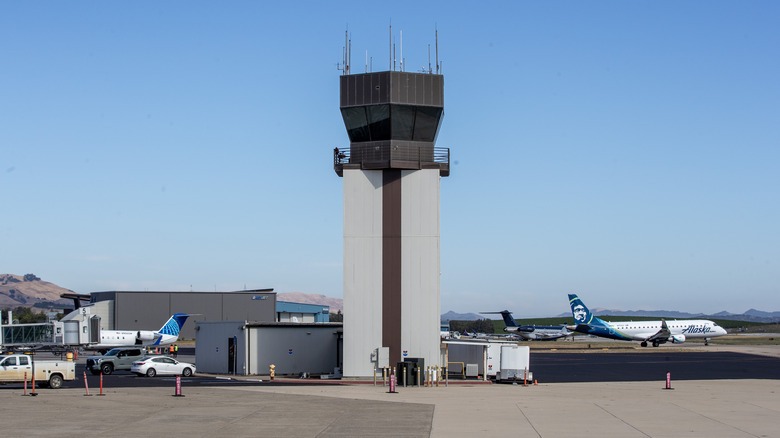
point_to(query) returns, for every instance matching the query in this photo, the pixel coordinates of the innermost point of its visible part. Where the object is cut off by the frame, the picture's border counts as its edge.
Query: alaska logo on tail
(582, 314)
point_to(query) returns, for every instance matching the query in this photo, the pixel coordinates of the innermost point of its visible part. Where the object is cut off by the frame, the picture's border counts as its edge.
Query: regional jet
(167, 334)
(655, 332)
(532, 332)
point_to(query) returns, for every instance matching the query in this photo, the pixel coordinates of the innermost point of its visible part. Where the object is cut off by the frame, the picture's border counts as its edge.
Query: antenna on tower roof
(346, 54)
(437, 49)
(429, 59)
(390, 46)
(402, 50)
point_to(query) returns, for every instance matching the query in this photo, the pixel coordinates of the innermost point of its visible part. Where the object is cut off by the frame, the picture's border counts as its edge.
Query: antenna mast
(429, 59)
(402, 50)
(390, 47)
(437, 50)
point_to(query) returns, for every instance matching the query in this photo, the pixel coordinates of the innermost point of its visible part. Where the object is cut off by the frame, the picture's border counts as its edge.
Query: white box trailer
(486, 358)
(515, 364)
(493, 359)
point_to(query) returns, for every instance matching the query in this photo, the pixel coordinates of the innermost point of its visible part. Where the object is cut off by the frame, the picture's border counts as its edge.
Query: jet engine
(145, 335)
(677, 339)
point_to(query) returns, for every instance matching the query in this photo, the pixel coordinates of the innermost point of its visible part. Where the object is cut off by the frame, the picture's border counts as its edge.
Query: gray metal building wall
(293, 347)
(137, 310)
(211, 346)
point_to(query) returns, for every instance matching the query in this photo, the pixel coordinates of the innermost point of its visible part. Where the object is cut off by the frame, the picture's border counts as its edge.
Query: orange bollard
(101, 384)
(86, 386)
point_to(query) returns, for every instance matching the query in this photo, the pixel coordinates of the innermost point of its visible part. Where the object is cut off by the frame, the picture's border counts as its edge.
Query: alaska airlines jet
(533, 332)
(655, 332)
(167, 334)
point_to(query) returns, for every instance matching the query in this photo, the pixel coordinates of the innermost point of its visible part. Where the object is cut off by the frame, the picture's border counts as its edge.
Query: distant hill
(29, 290)
(452, 316)
(750, 315)
(335, 304)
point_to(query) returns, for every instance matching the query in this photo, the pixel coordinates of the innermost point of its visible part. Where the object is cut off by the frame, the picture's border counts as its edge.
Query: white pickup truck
(13, 368)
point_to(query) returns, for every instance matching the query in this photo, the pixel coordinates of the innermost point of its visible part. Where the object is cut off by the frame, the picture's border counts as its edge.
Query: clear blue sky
(626, 151)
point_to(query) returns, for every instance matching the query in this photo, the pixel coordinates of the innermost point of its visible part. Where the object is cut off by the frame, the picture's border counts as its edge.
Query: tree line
(479, 326)
(25, 315)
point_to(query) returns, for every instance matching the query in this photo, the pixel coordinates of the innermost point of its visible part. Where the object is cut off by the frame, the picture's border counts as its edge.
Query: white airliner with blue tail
(532, 332)
(167, 334)
(654, 332)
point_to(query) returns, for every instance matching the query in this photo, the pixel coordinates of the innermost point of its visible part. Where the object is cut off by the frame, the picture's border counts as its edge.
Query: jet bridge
(53, 334)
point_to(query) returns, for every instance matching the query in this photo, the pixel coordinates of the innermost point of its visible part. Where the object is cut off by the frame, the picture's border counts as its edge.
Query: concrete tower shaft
(391, 216)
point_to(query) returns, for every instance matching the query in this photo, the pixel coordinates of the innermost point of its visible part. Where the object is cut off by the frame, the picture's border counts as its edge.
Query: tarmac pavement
(694, 408)
(743, 408)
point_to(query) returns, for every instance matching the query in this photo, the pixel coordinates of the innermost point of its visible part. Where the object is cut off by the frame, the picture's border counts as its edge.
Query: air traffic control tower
(391, 174)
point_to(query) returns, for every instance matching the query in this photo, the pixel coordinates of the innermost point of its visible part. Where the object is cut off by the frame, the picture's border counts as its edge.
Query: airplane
(475, 335)
(532, 332)
(654, 332)
(167, 334)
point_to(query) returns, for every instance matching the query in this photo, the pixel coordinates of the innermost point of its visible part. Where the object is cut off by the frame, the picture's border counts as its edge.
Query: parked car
(161, 365)
(114, 360)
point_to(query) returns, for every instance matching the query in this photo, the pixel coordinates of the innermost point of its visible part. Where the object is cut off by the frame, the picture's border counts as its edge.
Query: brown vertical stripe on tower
(391, 262)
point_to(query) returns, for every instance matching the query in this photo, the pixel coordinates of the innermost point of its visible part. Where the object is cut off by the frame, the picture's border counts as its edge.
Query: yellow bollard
(272, 371)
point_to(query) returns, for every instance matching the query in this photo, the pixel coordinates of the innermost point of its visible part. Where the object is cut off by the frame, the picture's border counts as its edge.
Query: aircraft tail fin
(509, 321)
(174, 324)
(581, 313)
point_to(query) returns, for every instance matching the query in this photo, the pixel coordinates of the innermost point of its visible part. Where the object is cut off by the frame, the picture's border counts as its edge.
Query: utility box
(382, 357)
(415, 365)
(515, 363)
(472, 370)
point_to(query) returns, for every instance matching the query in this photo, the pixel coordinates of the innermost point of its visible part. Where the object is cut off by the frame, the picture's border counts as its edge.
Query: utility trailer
(515, 364)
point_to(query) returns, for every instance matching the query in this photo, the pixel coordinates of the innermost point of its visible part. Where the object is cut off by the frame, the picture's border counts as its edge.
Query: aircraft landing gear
(655, 343)
(644, 343)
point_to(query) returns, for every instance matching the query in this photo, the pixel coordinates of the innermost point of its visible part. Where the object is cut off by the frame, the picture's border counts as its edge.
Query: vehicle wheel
(186, 372)
(151, 372)
(107, 368)
(55, 381)
(644, 344)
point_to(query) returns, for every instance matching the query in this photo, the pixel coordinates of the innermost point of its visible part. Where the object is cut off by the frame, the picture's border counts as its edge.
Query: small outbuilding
(249, 348)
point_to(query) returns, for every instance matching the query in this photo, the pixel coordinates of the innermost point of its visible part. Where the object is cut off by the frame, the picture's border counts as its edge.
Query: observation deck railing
(374, 157)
